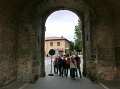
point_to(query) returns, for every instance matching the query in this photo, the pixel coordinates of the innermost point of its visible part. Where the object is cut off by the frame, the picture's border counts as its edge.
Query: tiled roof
(55, 38)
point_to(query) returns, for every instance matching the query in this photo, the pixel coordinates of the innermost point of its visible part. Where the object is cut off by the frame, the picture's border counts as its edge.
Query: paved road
(58, 82)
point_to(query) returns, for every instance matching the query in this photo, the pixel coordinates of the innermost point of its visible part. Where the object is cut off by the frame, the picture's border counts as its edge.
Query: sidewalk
(15, 85)
(110, 84)
(105, 84)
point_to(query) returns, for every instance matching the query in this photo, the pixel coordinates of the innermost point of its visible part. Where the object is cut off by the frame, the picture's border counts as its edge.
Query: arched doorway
(45, 13)
(22, 36)
(60, 28)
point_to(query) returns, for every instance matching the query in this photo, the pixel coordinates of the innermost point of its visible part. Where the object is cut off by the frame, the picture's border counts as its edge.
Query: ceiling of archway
(96, 7)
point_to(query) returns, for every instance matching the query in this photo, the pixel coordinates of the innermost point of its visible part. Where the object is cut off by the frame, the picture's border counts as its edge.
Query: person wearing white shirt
(73, 66)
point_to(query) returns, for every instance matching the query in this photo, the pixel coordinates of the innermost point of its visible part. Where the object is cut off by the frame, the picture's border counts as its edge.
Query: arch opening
(61, 24)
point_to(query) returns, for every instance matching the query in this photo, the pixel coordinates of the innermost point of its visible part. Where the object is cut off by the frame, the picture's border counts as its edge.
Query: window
(58, 43)
(51, 43)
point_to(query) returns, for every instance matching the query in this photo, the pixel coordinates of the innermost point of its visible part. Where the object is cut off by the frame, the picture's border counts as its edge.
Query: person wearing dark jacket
(67, 65)
(59, 65)
(77, 58)
(64, 66)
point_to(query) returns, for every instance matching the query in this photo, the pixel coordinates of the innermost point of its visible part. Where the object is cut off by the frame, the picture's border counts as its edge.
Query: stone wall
(28, 60)
(26, 52)
(103, 44)
(117, 38)
(8, 44)
(22, 31)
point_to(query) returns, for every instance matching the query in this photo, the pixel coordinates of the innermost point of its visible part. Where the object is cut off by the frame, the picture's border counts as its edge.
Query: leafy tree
(71, 45)
(78, 36)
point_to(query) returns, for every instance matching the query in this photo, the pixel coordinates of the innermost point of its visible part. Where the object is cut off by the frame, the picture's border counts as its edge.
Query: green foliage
(71, 45)
(78, 36)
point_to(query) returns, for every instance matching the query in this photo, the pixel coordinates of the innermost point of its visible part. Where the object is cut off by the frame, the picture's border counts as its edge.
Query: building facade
(60, 44)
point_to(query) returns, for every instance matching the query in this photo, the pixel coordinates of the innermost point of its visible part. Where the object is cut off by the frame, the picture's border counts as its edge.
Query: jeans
(64, 71)
(76, 74)
(56, 69)
(72, 72)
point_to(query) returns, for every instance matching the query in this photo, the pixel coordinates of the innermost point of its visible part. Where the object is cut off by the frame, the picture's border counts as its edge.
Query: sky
(61, 23)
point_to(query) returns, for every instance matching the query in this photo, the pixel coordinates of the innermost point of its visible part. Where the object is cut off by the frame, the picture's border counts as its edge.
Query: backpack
(68, 62)
(78, 62)
(55, 61)
(59, 61)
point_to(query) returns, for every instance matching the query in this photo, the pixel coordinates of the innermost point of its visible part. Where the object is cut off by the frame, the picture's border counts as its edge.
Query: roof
(55, 38)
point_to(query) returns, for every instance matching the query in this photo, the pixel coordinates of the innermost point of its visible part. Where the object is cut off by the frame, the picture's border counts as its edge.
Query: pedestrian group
(62, 64)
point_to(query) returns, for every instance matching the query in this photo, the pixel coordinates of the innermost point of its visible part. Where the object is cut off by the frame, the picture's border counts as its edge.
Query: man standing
(59, 65)
(64, 66)
(78, 65)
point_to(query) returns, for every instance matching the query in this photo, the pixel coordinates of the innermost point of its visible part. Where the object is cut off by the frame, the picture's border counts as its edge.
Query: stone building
(59, 44)
(22, 35)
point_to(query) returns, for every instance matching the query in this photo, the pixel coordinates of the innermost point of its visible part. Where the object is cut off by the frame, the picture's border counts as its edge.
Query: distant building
(60, 44)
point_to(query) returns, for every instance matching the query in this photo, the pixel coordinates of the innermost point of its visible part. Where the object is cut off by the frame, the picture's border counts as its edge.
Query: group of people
(62, 64)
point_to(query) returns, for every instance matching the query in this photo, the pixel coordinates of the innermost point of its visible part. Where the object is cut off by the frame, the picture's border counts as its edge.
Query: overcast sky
(61, 23)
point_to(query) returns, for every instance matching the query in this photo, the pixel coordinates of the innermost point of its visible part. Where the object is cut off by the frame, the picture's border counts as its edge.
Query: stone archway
(80, 16)
(93, 25)
(83, 14)
(22, 29)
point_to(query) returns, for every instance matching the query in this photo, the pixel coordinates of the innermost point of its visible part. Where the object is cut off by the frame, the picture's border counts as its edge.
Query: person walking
(73, 66)
(77, 58)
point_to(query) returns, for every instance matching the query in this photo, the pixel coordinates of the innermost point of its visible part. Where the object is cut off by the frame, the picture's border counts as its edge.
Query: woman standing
(73, 66)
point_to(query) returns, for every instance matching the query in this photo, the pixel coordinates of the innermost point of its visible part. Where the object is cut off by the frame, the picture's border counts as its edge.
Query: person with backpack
(73, 66)
(59, 65)
(77, 58)
(67, 65)
(64, 66)
(55, 63)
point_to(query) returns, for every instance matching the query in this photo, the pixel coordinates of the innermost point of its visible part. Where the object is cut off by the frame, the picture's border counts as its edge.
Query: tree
(71, 47)
(78, 36)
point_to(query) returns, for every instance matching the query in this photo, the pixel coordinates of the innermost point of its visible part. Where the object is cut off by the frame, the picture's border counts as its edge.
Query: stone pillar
(26, 51)
(40, 46)
(8, 44)
(103, 51)
(86, 41)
